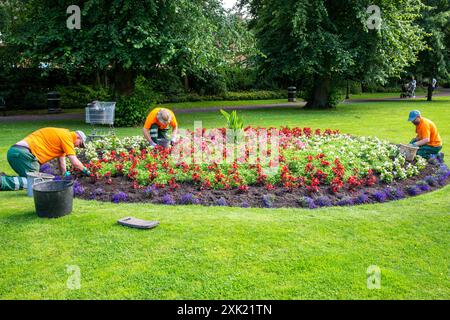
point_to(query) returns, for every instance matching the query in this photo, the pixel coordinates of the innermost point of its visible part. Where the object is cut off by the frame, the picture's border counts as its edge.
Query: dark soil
(257, 196)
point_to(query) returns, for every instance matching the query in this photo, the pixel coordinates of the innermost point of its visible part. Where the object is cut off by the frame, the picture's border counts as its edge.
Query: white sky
(228, 4)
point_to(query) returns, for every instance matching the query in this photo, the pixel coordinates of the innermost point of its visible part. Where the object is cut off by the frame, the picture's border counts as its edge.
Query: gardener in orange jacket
(156, 127)
(38, 148)
(428, 139)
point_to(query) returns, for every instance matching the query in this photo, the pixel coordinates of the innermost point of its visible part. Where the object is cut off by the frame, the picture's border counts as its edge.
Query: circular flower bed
(256, 168)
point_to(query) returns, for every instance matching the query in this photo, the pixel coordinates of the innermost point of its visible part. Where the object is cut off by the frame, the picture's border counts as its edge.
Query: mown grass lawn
(233, 253)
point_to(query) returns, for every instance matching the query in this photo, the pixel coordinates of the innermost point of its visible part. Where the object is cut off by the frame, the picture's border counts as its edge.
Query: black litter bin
(292, 91)
(54, 102)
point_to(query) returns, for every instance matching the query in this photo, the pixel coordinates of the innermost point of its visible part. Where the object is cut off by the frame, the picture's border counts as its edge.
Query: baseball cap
(413, 115)
(82, 137)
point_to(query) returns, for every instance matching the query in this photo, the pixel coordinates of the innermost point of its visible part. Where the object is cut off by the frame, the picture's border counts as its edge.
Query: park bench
(3, 106)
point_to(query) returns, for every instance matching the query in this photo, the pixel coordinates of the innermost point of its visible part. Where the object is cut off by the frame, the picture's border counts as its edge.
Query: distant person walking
(431, 88)
(413, 85)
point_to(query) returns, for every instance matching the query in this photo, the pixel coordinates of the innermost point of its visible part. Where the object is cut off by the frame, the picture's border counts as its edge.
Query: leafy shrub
(79, 96)
(232, 96)
(132, 110)
(256, 95)
(238, 78)
(35, 100)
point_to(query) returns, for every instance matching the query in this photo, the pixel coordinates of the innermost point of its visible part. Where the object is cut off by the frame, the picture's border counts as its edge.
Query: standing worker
(428, 139)
(41, 147)
(156, 127)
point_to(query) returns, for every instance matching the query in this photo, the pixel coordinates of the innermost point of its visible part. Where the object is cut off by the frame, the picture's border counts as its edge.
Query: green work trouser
(22, 161)
(157, 133)
(426, 151)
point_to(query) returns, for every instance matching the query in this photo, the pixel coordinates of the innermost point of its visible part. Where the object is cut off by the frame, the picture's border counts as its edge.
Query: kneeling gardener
(428, 139)
(156, 127)
(38, 148)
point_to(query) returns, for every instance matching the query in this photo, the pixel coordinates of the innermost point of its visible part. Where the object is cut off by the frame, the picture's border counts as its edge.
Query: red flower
(243, 188)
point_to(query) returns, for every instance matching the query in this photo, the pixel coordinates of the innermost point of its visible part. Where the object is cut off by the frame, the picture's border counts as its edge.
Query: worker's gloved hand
(174, 140)
(86, 172)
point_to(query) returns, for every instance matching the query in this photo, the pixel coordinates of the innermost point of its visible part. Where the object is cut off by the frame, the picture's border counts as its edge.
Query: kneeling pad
(137, 223)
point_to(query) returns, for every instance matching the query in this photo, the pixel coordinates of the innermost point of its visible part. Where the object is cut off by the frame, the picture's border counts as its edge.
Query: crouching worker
(38, 148)
(156, 127)
(428, 139)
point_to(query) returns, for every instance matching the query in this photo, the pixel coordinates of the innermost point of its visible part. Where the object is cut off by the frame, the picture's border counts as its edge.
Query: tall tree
(434, 61)
(323, 41)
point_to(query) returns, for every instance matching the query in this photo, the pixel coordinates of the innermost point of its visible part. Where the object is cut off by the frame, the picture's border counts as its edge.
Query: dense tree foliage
(191, 36)
(320, 42)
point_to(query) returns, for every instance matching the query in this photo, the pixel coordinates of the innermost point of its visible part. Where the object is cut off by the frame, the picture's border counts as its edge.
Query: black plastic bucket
(53, 199)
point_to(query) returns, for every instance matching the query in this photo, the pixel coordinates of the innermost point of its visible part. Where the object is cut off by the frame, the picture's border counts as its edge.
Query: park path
(80, 116)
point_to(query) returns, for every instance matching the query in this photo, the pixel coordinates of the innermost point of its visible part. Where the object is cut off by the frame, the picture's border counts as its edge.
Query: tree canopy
(320, 42)
(193, 36)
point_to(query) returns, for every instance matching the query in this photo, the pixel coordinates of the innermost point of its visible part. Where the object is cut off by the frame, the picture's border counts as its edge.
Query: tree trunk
(97, 79)
(319, 98)
(186, 83)
(430, 91)
(123, 81)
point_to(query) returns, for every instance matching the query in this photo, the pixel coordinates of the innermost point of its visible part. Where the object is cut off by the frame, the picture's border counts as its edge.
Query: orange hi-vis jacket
(427, 129)
(152, 119)
(49, 143)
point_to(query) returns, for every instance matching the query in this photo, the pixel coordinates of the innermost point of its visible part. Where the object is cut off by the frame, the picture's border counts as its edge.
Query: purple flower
(440, 157)
(394, 194)
(245, 204)
(442, 174)
(362, 198)
(97, 192)
(167, 199)
(423, 186)
(413, 190)
(47, 168)
(323, 201)
(268, 200)
(432, 181)
(78, 189)
(222, 202)
(307, 202)
(57, 178)
(380, 196)
(119, 197)
(346, 201)
(151, 191)
(189, 198)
